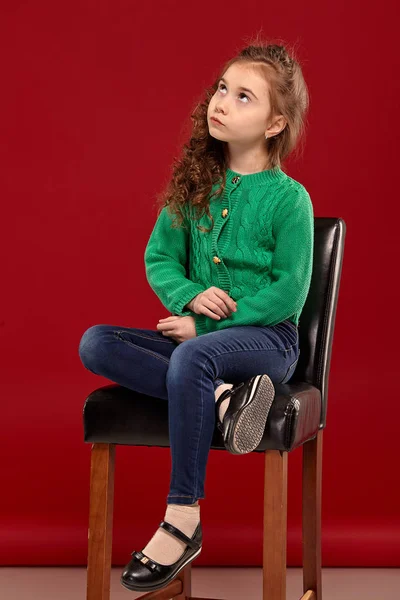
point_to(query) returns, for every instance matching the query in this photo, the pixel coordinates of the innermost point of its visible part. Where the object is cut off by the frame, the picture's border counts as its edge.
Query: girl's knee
(89, 344)
(189, 357)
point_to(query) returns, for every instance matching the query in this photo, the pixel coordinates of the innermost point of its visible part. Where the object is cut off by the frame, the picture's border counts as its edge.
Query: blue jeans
(186, 375)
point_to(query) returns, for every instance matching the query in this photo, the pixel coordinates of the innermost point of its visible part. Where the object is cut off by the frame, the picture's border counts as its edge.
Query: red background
(95, 99)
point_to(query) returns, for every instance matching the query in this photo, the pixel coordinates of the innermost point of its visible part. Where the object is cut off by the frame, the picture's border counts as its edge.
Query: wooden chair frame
(274, 535)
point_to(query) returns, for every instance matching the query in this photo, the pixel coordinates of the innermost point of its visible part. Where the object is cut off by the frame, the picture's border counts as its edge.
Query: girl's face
(244, 114)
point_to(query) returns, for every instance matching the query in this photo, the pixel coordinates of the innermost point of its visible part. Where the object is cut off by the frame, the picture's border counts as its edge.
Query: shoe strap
(225, 394)
(179, 534)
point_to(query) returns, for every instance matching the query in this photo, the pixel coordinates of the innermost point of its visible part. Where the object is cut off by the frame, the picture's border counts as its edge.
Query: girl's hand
(177, 327)
(214, 303)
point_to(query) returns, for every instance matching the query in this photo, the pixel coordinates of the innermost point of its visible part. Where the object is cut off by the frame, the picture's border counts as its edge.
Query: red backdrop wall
(95, 99)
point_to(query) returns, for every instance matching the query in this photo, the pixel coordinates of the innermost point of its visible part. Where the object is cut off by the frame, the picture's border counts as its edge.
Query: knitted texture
(260, 252)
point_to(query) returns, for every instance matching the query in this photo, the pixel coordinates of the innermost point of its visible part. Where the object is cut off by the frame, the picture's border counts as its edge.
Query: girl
(230, 256)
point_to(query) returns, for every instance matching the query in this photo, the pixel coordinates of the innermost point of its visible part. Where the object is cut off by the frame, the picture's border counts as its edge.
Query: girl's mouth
(214, 120)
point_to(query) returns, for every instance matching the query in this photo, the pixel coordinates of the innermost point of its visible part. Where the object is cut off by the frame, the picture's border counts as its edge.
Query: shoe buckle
(145, 560)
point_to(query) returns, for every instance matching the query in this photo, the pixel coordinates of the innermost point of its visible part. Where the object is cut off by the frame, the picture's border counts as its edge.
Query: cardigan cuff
(191, 292)
(201, 324)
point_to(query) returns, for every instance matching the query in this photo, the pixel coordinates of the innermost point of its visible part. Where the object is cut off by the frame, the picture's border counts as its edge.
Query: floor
(227, 583)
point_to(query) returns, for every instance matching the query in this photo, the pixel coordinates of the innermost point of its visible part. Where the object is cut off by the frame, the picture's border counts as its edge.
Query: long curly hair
(204, 158)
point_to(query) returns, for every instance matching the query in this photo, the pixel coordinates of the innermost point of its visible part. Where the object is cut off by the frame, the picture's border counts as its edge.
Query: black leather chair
(115, 415)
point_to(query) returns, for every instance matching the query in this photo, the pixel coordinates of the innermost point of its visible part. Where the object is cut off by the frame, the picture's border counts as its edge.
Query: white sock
(224, 403)
(164, 547)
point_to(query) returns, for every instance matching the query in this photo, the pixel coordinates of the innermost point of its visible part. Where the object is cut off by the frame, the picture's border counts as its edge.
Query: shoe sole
(161, 585)
(248, 427)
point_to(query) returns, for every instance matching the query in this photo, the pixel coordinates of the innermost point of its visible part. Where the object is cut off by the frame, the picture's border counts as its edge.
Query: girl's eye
(241, 93)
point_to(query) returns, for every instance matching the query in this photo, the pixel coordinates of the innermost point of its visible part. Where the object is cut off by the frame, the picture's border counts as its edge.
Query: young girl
(230, 256)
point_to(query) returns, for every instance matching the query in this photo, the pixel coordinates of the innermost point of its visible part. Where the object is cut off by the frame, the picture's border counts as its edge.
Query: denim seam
(179, 496)
(201, 426)
(147, 337)
(289, 368)
(251, 350)
(166, 360)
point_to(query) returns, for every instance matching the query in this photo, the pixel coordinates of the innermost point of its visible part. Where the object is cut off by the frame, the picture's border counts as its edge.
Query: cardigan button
(216, 260)
(235, 179)
(224, 212)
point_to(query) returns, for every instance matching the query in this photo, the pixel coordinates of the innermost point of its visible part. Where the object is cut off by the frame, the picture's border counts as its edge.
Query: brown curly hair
(204, 160)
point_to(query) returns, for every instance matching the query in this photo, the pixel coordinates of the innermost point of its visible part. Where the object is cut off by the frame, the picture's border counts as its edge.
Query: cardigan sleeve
(165, 259)
(291, 269)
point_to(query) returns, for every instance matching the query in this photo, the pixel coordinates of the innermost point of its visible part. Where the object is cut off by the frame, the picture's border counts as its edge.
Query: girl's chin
(214, 132)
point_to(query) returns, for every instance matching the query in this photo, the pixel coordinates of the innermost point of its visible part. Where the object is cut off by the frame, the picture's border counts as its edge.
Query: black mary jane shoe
(244, 421)
(142, 574)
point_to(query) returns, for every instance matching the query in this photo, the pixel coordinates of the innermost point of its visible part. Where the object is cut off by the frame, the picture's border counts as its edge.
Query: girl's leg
(196, 368)
(234, 354)
(138, 359)
(134, 358)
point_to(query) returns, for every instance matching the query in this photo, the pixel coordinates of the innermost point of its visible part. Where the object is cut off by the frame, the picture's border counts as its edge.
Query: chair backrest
(317, 320)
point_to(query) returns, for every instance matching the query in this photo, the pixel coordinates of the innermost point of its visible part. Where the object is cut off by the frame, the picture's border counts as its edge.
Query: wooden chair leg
(312, 479)
(186, 578)
(275, 525)
(100, 521)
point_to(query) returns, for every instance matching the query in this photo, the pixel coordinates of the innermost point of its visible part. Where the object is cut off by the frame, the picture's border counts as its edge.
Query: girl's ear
(278, 125)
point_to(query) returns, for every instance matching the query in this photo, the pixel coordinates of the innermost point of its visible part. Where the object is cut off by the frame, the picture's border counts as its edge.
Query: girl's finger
(164, 326)
(168, 318)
